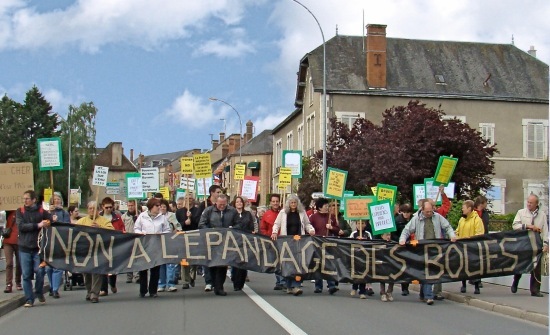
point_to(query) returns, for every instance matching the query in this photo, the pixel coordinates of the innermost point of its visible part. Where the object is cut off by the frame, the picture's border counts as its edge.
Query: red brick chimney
(249, 131)
(376, 56)
(225, 149)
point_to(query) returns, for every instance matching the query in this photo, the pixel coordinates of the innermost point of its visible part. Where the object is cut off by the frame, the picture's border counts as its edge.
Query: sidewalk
(499, 299)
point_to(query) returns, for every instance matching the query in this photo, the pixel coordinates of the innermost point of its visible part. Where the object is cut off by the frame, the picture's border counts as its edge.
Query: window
(301, 137)
(310, 135)
(349, 118)
(310, 91)
(535, 138)
(487, 131)
(278, 154)
(451, 117)
(496, 196)
(289, 141)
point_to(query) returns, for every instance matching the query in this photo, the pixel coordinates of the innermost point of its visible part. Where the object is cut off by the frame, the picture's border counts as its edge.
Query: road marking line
(282, 320)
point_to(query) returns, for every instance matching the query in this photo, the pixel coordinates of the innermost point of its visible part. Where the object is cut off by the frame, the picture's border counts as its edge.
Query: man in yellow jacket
(93, 280)
(469, 225)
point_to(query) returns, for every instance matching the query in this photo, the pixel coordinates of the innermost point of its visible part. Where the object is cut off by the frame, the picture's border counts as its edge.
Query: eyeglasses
(156, 205)
(108, 207)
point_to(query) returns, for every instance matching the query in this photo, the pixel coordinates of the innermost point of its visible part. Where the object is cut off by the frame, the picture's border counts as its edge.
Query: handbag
(6, 232)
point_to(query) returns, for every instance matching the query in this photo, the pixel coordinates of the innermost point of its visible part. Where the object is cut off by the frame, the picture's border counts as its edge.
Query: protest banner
(240, 170)
(356, 208)
(202, 165)
(100, 176)
(165, 191)
(445, 169)
(432, 191)
(384, 192)
(48, 193)
(181, 193)
(150, 179)
(50, 155)
(336, 183)
(15, 179)
(419, 193)
(203, 184)
(293, 159)
(249, 188)
(103, 251)
(187, 183)
(381, 217)
(285, 177)
(76, 197)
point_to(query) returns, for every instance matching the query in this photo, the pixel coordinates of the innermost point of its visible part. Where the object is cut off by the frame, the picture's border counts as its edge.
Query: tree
(78, 131)
(405, 148)
(311, 179)
(10, 128)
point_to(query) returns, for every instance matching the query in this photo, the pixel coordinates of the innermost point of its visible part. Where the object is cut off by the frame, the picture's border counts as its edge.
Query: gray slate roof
(260, 144)
(413, 64)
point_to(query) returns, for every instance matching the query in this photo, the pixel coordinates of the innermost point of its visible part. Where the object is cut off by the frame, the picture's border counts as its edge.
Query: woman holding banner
(243, 221)
(292, 220)
(151, 222)
(55, 276)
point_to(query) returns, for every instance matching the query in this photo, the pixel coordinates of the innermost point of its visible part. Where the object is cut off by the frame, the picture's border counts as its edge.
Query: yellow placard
(186, 165)
(336, 183)
(165, 192)
(445, 170)
(373, 189)
(285, 176)
(203, 166)
(47, 195)
(239, 171)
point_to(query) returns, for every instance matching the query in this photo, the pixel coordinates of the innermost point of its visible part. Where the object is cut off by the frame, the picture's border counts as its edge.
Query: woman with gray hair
(55, 276)
(292, 220)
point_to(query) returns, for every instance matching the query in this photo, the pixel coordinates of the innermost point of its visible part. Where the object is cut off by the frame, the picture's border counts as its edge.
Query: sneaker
(370, 291)
(172, 289)
(185, 287)
(296, 291)
(439, 297)
(430, 302)
(95, 300)
(463, 289)
(383, 297)
(160, 289)
(332, 290)
(8, 289)
(208, 288)
(278, 288)
(389, 296)
(353, 293)
(28, 303)
(56, 295)
(405, 292)
(41, 298)
(362, 296)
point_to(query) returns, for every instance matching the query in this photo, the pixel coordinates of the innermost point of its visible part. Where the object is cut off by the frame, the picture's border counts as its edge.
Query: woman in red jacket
(11, 250)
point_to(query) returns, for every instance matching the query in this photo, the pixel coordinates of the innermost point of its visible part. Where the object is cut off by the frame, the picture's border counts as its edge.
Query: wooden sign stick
(361, 231)
(96, 200)
(205, 197)
(187, 192)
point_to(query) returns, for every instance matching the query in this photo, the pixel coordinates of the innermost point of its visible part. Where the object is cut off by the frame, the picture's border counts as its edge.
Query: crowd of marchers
(24, 262)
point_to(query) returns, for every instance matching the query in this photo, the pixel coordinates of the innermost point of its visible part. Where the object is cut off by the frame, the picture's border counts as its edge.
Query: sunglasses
(108, 207)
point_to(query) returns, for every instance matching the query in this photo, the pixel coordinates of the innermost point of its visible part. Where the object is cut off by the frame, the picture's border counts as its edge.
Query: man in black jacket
(189, 220)
(30, 219)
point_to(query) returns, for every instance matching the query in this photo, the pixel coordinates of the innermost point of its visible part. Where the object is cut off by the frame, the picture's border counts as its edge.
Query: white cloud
(193, 111)
(60, 103)
(215, 47)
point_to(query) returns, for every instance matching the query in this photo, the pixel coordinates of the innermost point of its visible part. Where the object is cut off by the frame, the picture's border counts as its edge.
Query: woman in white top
(151, 222)
(168, 277)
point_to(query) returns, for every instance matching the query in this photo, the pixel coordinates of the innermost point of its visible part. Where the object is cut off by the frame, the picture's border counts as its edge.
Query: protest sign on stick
(99, 179)
(336, 183)
(381, 217)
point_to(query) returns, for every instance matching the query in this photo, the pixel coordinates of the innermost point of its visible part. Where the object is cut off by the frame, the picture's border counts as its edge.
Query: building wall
(264, 173)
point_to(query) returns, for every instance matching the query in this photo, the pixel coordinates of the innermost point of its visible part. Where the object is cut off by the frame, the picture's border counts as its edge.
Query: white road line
(282, 320)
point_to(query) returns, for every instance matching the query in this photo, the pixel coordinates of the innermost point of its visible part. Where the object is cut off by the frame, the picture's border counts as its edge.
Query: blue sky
(150, 66)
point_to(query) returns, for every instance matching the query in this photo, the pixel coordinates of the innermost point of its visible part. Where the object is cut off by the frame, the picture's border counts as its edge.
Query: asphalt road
(256, 310)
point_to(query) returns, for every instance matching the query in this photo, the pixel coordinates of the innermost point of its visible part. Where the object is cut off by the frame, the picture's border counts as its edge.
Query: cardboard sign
(432, 190)
(249, 188)
(336, 183)
(15, 179)
(445, 169)
(388, 192)
(285, 177)
(419, 193)
(381, 217)
(76, 197)
(150, 179)
(356, 208)
(203, 185)
(47, 195)
(187, 183)
(240, 170)
(50, 156)
(100, 176)
(202, 165)
(186, 164)
(293, 159)
(134, 186)
(165, 192)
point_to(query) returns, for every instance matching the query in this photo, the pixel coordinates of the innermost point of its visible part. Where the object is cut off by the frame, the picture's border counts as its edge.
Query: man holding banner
(427, 225)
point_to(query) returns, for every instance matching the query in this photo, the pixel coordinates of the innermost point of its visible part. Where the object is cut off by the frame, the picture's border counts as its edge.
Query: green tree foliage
(78, 131)
(405, 148)
(10, 128)
(311, 179)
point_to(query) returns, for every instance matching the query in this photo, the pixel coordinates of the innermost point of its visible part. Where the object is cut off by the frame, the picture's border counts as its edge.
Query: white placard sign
(187, 183)
(450, 190)
(150, 179)
(100, 176)
(201, 186)
(249, 188)
(382, 219)
(135, 188)
(50, 154)
(432, 191)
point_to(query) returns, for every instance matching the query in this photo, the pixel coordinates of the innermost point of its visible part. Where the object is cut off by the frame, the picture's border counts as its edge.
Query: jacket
(485, 218)
(244, 221)
(280, 224)
(62, 215)
(344, 225)
(400, 223)
(99, 220)
(445, 207)
(212, 217)
(416, 226)
(524, 217)
(10, 223)
(319, 222)
(470, 226)
(129, 221)
(116, 221)
(27, 225)
(181, 216)
(145, 224)
(266, 225)
(365, 234)
(173, 221)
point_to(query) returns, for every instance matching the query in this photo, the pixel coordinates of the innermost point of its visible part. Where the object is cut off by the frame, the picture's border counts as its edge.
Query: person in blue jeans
(58, 214)
(30, 220)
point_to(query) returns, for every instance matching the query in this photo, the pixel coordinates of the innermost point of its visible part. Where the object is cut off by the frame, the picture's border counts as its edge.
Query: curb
(15, 302)
(498, 308)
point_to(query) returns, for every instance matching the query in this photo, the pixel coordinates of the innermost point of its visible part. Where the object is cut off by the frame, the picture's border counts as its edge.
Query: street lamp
(70, 145)
(324, 102)
(240, 122)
